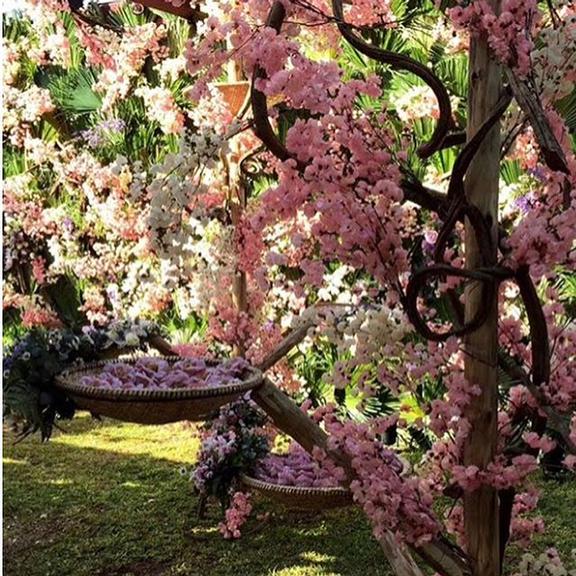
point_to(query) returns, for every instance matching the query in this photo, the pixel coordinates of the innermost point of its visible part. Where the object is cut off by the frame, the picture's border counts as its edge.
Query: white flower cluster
(365, 336)
(180, 176)
(178, 225)
(554, 59)
(365, 331)
(129, 333)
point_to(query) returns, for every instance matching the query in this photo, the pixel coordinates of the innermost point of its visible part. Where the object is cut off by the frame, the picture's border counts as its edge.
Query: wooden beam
(293, 338)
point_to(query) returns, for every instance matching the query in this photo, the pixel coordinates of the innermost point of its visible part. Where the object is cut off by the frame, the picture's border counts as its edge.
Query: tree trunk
(481, 363)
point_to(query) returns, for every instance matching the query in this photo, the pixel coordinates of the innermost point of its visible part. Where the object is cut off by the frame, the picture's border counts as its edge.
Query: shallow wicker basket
(300, 497)
(151, 406)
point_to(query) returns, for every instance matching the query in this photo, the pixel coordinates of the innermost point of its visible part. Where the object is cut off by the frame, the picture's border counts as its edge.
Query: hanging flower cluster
(231, 444)
(392, 500)
(236, 515)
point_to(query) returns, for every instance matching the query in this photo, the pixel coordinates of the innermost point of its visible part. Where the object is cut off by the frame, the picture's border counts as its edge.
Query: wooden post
(481, 363)
(237, 201)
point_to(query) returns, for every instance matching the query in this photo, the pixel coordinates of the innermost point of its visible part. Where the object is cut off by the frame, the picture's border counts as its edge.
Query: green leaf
(73, 91)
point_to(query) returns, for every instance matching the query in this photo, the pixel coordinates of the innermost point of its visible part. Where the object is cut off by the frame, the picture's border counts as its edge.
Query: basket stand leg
(202, 501)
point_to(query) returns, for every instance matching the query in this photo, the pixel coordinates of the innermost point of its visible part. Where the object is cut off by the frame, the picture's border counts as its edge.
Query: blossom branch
(440, 553)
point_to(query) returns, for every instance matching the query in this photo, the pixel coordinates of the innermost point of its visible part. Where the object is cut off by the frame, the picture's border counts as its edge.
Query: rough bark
(481, 365)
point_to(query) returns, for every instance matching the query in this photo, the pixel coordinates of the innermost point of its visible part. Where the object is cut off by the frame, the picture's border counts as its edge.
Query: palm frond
(567, 109)
(73, 91)
(510, 171)
(13, 161)
(453, 72)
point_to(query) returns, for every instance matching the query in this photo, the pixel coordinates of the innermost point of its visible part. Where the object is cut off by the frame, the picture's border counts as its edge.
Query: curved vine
(402, 62)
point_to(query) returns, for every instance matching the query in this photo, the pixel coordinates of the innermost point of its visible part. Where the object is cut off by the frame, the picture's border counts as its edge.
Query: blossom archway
(446, 287)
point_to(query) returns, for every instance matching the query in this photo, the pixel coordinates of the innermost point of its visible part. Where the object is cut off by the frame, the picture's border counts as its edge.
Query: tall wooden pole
(481, 506)
(237, 206)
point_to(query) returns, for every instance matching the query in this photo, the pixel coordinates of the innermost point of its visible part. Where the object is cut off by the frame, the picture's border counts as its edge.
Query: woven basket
(300, 497)
(151, 406)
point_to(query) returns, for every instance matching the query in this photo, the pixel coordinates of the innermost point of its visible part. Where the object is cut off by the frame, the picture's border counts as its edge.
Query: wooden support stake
(481, 363)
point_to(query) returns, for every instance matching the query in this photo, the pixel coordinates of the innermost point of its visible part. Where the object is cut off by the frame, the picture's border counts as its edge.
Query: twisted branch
(403, 62)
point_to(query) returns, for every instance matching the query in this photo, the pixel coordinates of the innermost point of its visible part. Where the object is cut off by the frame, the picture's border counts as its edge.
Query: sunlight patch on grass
(316, 557)
(60, 482)
(16, 462)
(171, 442)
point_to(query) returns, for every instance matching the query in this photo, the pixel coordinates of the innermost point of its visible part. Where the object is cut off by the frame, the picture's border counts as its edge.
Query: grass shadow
(108, 500)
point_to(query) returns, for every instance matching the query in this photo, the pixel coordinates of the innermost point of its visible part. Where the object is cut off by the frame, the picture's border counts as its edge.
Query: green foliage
(13, 161)
(72, 90)
(29, 394)
(31, 399)
(510, 171)
(183, 328)
(453, 71)
(14, 27)
(65, 297)
(76, 49)
(313, 365)
(566, 285)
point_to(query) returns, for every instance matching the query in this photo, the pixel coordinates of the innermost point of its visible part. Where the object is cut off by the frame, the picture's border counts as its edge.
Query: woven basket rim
(67, 381)
(310, 491)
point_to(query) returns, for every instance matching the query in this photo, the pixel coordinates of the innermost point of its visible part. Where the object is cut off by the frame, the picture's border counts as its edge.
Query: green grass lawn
(107, 499)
